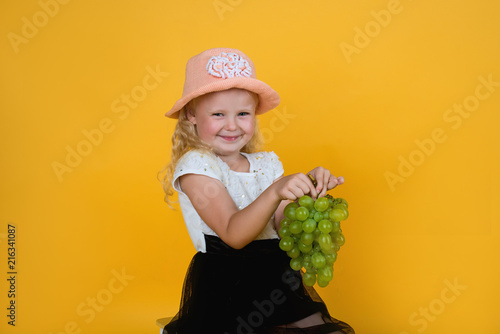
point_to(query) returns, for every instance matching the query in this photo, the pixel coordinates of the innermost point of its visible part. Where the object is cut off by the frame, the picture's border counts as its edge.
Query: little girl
(232, 201)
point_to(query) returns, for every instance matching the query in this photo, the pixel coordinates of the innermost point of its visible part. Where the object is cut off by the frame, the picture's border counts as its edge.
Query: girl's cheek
(214, 127)
(250, 126)
(209, 126)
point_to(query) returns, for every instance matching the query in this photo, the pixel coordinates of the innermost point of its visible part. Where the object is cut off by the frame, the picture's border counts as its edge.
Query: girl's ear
(191, 115)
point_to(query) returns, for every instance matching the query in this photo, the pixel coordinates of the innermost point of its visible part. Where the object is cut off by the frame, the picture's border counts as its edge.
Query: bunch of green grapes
(311, 235)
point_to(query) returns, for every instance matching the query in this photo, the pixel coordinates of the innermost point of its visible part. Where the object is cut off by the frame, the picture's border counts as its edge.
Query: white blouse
(244, 188)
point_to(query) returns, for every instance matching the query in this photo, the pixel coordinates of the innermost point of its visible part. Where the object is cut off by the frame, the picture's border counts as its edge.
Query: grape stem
(313, 180)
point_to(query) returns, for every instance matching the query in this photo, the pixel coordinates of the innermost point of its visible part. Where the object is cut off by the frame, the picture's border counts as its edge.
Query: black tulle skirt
(251, 290)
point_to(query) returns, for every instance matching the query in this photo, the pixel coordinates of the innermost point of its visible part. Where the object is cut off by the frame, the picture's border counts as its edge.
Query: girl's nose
(230, 124)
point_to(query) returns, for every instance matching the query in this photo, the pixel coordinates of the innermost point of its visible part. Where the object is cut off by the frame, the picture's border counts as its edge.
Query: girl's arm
(235, 227)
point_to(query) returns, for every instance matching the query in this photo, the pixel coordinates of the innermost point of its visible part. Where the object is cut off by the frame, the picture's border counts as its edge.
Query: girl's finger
(310, 186)
(319, 181)
(289, 196)
(332, 183)
(335, 181)
(295, 192)
(325, 180)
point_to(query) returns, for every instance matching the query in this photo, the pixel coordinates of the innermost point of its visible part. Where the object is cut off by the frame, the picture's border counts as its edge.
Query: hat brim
(268, 97)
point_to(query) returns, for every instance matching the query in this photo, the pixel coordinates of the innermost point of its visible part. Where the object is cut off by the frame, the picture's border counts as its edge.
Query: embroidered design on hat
(228, 65)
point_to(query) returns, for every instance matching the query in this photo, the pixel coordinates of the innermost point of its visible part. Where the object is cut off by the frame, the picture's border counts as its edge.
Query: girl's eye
(243, 113)
(218, 114)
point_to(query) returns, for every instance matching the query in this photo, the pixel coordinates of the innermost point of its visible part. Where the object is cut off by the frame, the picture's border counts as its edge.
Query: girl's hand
(325, 180)
(292, 187)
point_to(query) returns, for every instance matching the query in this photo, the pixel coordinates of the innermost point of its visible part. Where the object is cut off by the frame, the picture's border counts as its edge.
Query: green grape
(312, 270)
(318, 216)
(325, 226)
(335, 226)
(337, 215)
(307, 263)
(311, 215)
(307, 202)
(325, 241)
(294, 252)
(284, 232)
(296, 238)
(309, 225)
(318, 260)
(296, 227)
(343, 208)
(286, 222)
(301, 213)
(330, 250)
(343, 201)
(307, 238)
(289, 210)
(338, 239)
(330, 258)
(286, 243)
(321, 204)
(304, 248)
(322, 283)
(325, 273)
(340, 206)
(317, 233)
(296, 263)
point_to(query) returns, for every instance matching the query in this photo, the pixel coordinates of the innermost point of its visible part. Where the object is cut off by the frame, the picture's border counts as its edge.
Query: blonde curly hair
(185, 138)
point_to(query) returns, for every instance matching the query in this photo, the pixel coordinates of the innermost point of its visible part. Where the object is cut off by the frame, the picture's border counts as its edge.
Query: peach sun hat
(219, 69)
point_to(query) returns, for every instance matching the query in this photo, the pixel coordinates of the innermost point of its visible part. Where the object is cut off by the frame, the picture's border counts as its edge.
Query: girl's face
(225, 120)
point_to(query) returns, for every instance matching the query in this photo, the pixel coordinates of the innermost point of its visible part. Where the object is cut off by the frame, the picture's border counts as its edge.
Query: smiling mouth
(230, 138)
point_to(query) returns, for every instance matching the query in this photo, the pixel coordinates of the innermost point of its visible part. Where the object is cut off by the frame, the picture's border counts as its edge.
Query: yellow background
(357, 113)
